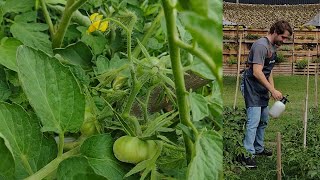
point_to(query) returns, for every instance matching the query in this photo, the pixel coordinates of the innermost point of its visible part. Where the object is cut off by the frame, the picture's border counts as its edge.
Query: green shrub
(302, 64)
(232, 60)
(252, 36)
(280, 58)
(310, 37)
(316, 60)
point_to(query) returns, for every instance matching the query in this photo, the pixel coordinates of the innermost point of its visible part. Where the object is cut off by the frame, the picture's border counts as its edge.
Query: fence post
(279, 166)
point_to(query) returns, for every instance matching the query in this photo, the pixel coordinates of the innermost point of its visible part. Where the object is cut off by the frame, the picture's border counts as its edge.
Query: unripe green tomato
(88, 128)
(133, 150)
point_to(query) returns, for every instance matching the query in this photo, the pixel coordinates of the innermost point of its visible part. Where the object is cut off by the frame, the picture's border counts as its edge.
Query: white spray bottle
(278, 107)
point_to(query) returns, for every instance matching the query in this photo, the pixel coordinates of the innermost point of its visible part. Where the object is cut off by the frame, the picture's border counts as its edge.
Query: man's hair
(280, 27)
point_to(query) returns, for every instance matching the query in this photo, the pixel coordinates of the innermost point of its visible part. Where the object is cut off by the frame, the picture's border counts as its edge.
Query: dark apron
(255, 94)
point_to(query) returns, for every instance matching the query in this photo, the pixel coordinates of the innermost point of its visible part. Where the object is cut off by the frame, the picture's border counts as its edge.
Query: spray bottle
(278, 107)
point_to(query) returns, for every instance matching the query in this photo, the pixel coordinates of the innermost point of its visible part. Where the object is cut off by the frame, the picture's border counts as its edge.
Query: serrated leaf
(30, 16)
(208, 33)
(153, 43)
(7, 165)
(17, 6)
(201, 69)
(5, 91)
(207, 163)
(199, 7)
(199, 106)
(77, 54)
(215, 101)
(30, 34)
(22, 133)
(97, 41)
(52, 91)
(8, 49)
(156, 124)
(76, 168)
(99, 152)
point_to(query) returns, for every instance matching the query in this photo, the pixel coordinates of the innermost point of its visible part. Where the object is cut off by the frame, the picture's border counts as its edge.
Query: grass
(295, 87)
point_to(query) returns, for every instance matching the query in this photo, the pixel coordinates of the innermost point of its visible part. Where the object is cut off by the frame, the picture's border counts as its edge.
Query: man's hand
(277, 95)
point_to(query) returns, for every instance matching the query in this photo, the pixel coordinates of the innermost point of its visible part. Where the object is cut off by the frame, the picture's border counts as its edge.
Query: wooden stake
(316, 86)
(279, 167)
(306, 107)
(238, 73)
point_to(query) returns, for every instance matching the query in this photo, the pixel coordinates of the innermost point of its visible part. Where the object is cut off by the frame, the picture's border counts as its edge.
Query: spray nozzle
(284, 99)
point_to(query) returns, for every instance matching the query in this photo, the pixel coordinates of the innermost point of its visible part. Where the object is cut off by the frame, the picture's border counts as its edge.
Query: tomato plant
(110, 74)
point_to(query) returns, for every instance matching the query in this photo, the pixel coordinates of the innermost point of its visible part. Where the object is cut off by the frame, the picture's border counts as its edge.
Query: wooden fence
(279, 69)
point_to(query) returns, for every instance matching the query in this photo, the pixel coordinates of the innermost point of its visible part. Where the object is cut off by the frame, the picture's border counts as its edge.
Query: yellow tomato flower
(103, 26)
(96, 23)
(95, 17)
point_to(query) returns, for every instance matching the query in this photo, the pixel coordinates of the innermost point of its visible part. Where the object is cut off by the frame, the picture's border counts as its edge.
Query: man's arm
(257, 72)
(270, 79)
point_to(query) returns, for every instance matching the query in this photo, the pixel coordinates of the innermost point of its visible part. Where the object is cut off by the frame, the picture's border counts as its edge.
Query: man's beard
(278, 43)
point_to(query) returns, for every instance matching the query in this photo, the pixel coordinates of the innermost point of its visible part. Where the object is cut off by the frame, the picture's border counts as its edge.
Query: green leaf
(7, 164)
(30, 35)
(208, 33)
(185, 129)
(207, 163)
(77, 54)
(96, 41)
(215, 101)
(30, 16)
(156, 124)
(52, 91)
(31, 150)
(215, 10)
(153, 43)
(199, 106)
(99, 152)
(76, 168)
(56, 1)
(199, 7)
(17, 6)
(201, 69)
(1, 15)
(8, 50)
(5, 91)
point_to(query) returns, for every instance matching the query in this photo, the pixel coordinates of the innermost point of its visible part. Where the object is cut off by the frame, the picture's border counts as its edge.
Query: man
(257, 83)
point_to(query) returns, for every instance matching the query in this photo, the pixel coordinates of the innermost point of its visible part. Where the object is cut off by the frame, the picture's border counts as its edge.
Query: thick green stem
(61, 144)
(148, 34)
(47, 17)
(53, 165)
(70, 8)
(177, 69)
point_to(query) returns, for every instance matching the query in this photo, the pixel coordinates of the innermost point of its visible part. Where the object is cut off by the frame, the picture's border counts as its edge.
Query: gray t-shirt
(264, 53)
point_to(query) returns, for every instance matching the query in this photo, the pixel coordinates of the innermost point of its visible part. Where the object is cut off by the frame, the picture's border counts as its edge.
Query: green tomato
(88, 128)
(133, 150)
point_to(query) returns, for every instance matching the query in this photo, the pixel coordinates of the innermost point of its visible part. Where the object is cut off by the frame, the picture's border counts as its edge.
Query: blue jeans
(257, 120)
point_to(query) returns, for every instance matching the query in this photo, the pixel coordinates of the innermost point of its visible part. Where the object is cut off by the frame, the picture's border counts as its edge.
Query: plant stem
(61, 144)
(71, 7)
(177, 69)
(136, 85)
(150, 31)
(53, 165)
(47, 17)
